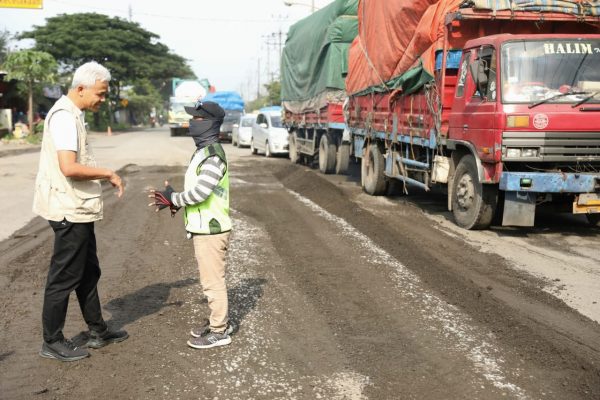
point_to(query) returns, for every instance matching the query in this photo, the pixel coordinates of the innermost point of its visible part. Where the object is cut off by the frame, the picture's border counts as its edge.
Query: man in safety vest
(206, 201)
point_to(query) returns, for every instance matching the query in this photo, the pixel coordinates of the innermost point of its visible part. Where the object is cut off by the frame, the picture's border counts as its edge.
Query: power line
(163, 16)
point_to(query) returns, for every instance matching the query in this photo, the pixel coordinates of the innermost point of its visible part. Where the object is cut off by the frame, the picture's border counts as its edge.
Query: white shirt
(63, 130)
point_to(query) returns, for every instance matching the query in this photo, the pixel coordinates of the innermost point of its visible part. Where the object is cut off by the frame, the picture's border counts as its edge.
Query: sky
(224, 41)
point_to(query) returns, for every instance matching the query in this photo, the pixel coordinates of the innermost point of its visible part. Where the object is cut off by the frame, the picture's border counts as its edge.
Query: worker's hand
(162, 199)
(117, 183)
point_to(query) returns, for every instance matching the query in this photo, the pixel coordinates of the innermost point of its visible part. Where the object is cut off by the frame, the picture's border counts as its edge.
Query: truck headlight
(513, 153)
(528, 152)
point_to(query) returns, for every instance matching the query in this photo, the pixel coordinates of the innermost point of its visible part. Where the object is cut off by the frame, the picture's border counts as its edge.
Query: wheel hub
(465, 192)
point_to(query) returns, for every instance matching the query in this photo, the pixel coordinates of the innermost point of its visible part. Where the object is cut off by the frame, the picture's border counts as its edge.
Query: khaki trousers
(210, 253)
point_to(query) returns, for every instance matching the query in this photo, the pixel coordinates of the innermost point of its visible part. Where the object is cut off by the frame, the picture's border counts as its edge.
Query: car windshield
(276, 121)
(550, 71)
(232, 116)
(247, 122)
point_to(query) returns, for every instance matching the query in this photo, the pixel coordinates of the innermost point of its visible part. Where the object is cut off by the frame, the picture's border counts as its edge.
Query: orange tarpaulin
(392, 35)
(398, 39)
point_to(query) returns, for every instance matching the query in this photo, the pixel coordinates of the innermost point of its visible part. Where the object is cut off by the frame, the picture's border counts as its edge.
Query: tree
(130, 52)
(273, 97)
(273, 93)
(32, 67)
(4, 39)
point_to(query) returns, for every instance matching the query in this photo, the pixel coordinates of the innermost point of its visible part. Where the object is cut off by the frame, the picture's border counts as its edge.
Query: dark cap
(206, 110)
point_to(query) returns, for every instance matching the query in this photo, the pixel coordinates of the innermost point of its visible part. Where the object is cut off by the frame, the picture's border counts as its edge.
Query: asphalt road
(338, 295)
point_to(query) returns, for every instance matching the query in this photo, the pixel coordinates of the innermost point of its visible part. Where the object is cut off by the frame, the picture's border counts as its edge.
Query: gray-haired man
(69, 195)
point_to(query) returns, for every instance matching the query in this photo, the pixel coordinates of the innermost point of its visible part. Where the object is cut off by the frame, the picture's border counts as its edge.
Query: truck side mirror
(263, 125)
(480, 78)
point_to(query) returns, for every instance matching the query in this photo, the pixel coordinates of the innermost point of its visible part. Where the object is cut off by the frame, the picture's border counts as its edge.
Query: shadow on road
(153, 298)
(243, 298)
(141, 303)
(5, 355)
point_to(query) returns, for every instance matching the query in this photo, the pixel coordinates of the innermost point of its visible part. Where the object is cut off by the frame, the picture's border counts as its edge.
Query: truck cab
(527, 108)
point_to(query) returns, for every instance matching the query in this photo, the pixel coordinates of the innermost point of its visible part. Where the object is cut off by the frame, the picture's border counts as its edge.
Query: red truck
(320, 135)
(313, 64)
(509, 119)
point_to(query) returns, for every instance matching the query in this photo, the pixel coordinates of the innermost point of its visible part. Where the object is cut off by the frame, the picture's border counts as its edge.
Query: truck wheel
(372, 167)
(173, 132)
(326, 155)
(342, 159)
(252, 148)
(593, 219)
(268, 150)
(293, 152)
(473, 204)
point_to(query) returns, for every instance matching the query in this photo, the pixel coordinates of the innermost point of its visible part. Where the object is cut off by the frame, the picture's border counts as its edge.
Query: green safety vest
(212, 215)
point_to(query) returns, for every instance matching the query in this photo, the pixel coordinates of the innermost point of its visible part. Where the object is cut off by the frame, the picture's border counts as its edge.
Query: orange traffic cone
(109, 131)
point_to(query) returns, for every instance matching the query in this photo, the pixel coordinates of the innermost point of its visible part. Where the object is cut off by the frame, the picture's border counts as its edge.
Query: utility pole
(258, 80)
(130, 12)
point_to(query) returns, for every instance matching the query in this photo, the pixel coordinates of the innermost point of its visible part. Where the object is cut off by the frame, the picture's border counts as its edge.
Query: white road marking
(455, 325)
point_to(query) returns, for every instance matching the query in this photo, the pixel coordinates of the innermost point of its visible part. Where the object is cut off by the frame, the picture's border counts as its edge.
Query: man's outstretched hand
(162, 199)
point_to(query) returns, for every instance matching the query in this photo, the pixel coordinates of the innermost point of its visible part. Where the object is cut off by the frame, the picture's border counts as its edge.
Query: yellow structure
(22, 4)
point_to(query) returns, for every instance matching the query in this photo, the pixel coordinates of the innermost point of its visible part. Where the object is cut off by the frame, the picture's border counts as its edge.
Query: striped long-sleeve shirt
(211, 172)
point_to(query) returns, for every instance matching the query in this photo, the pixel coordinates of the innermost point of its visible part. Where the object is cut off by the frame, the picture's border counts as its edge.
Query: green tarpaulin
(315, 56)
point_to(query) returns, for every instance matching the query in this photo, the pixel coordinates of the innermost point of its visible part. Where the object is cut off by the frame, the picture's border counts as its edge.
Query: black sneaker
(211, 339)
(97, 340)
(63, 350)
(204, 328)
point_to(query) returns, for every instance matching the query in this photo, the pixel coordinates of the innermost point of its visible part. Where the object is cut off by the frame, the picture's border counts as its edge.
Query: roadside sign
(22, 4)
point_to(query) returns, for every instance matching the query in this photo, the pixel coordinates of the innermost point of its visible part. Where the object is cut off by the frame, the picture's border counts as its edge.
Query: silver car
(242, 131)
(268, 134)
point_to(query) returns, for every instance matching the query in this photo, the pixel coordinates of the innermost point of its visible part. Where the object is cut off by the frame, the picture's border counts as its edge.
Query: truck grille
(556, 146)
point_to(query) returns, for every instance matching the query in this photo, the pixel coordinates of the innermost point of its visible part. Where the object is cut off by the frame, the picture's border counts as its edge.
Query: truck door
(473, 117)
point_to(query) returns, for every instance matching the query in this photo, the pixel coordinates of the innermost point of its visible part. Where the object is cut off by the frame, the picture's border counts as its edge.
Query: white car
(268, 134)
(242, 131)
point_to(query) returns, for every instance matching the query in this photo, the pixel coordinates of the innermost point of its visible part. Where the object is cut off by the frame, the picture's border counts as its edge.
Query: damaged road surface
(334, 300)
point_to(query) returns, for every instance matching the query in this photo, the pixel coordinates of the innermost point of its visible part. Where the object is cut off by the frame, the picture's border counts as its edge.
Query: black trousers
(74, 266)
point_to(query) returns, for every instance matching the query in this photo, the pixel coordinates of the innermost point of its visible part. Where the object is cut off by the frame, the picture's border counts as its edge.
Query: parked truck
(233, 104)
(314, 61)
(497, 101)
(185, 93)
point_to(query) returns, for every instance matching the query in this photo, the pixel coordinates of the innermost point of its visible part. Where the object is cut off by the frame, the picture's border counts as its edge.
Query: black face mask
(205, 131)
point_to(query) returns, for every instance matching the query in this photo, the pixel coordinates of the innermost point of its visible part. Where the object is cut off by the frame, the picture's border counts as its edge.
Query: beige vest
(56, 196)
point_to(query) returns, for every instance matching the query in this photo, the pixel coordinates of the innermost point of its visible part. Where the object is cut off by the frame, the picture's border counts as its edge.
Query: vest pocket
(86, 189)
(214, 226)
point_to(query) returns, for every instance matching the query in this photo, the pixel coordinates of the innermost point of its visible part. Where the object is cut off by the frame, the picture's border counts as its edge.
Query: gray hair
(87, 75)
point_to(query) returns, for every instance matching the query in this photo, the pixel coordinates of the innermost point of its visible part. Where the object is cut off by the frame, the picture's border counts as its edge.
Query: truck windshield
(177, 107)
(550, 71)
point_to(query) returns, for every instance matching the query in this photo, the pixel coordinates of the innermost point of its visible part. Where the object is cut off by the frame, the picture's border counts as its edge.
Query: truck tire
(173, 132)
(593, 219)
(372, 167)
(473, 204)
(252, 148)
(326, 154)
(268, 150)
(342, 159)
(293, 151)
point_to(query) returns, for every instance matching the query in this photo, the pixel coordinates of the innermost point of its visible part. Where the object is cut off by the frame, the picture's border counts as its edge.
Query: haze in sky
(222, 39)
